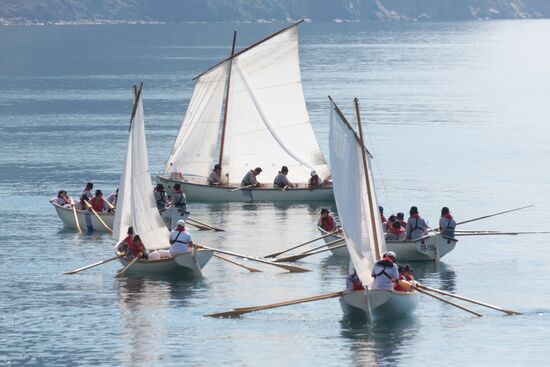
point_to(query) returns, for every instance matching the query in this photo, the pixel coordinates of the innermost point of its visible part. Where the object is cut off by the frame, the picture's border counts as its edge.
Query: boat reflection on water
(144, 305)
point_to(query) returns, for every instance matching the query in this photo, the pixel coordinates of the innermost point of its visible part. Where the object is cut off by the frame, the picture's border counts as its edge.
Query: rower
(214, 179)
(98, 203)
(281, 181)
(353, 283)
(250, 178)
(180, 239)
(88, 190)
(396, 232)
(401, 219)
(447, 224)
(314, 181)
(62, 198)
(124, 245)
(416, 226)
(385, 272)
(179, 200)
(137, 249)
(326, 221)
(112, 198)
(81, 202)
(160, 197)
(389, 223)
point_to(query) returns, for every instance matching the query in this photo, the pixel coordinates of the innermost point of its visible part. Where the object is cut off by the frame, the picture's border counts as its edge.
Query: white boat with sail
(358, 211)
(249, 111)
(431, 247)
(136, 207)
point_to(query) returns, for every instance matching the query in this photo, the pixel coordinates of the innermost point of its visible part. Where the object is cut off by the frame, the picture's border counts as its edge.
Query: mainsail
(355, 196)
(137, 199)
(267, 121)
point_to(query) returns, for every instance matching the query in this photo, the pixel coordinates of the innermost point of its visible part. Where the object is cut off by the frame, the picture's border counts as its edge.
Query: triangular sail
(355, 197)
(196, 144)
(123, 212)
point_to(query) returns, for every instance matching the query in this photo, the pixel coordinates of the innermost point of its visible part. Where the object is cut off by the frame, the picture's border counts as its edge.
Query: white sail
(195, 148)
(267, 123)
(146, 218)
(123, 212)
(355, 200)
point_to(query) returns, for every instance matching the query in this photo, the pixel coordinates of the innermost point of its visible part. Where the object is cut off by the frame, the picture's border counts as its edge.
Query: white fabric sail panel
(195, 148)
(266, 107)
(352, 200)
(123, 212)
(146, 219)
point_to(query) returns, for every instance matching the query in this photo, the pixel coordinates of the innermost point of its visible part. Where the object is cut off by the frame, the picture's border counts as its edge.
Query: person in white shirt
(180, 239)
(385, 272)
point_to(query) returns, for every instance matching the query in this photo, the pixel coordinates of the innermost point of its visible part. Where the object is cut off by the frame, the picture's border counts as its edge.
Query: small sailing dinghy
(431, 247)
(136, 207)
(265, 123)
(358, 210)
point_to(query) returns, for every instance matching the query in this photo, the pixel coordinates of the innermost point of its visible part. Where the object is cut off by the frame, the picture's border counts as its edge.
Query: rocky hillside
(112, 11)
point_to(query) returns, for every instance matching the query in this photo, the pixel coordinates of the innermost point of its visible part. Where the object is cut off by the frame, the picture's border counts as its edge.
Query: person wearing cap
(179, 200)
(88, 190)
(160, 197)
(250, 178)
(416, 225)
(447, 224)
(326, 221)
(314, 181)
(385, 272)
(214, 179)
(281, 181)
(98, 203)
(180, 239)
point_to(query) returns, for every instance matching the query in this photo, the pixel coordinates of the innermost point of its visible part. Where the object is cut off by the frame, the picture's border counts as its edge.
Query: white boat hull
(379, 304)
(427, 248)
(86, 218)
(188, 264)
(202, 192)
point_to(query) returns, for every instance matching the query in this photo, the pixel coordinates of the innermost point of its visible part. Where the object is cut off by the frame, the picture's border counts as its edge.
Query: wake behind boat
(137, 208)
(265, 124)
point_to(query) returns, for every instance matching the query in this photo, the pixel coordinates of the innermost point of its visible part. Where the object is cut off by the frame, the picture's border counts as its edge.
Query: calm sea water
(457, 113)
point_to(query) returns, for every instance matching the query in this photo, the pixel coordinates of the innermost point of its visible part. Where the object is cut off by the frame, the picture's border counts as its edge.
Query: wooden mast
(227, 97)
(367, 178)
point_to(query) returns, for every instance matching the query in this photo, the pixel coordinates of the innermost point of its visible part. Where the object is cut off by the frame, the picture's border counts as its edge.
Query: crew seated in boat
(281, 181)
(405, 273)
(314, 181)
(136, 249)
(396, 232)
(416, 225)
(88, 190)
(62, 198)
(81, 205)
(98, 203)
(215, 179)
(447, 224)
(353, 283)
(160, 197)
(326, 221)
(401, 219)
(179, 200)
(112, 198)
(385, 272)
(123, 246)
(389, 223)
(180, 239)
(250, 178)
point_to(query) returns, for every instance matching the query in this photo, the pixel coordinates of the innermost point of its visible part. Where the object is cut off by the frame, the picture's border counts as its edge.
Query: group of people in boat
(87, 200)
(280, 181)
(387, 275)
(178, 199)
(396, 228)
(181, 242)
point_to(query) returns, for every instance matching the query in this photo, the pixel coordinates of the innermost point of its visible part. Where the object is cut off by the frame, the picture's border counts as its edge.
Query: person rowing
(214, 179)
(326, 221)
(281, 181)
(250, 178)
(416, 225)
(385, 272)
(447, 224)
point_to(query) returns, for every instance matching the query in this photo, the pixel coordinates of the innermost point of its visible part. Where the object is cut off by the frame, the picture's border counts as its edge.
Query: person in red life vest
(401, 219)
(389, 223)
(353, 283)
(405, 273)
(398, 287)
(384, 220)
(98, 203)
(447, 224)
(124, 245)
(137, 249)
(62, 198)
(326, 221)
(396, 232)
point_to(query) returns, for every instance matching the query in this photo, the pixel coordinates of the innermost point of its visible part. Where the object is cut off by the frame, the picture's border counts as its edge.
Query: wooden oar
(301, 256)
(325, 245)
(290, 268)
(98, 217)
(444, 300)
(509, 312)
(492, 215)
(206, 225)
(253, 270)
(111, 206)
(302, 244)
(240, 311)
(242, 188)
(90, 266)
(73, 206)
(120, 273)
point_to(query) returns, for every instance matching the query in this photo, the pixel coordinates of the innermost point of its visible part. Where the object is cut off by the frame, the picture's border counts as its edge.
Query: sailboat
(136, 207)
(249, 111)
(358, 210)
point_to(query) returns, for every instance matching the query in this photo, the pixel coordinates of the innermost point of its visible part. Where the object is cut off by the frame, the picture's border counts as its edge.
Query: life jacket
(162, 200)
(449, 218)
(397, 231)
(328, 223)
(180, 241)
(136, 249)
(386, 263)
(416, 216)
(356, 283)
(397, 287)
(97, 204)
